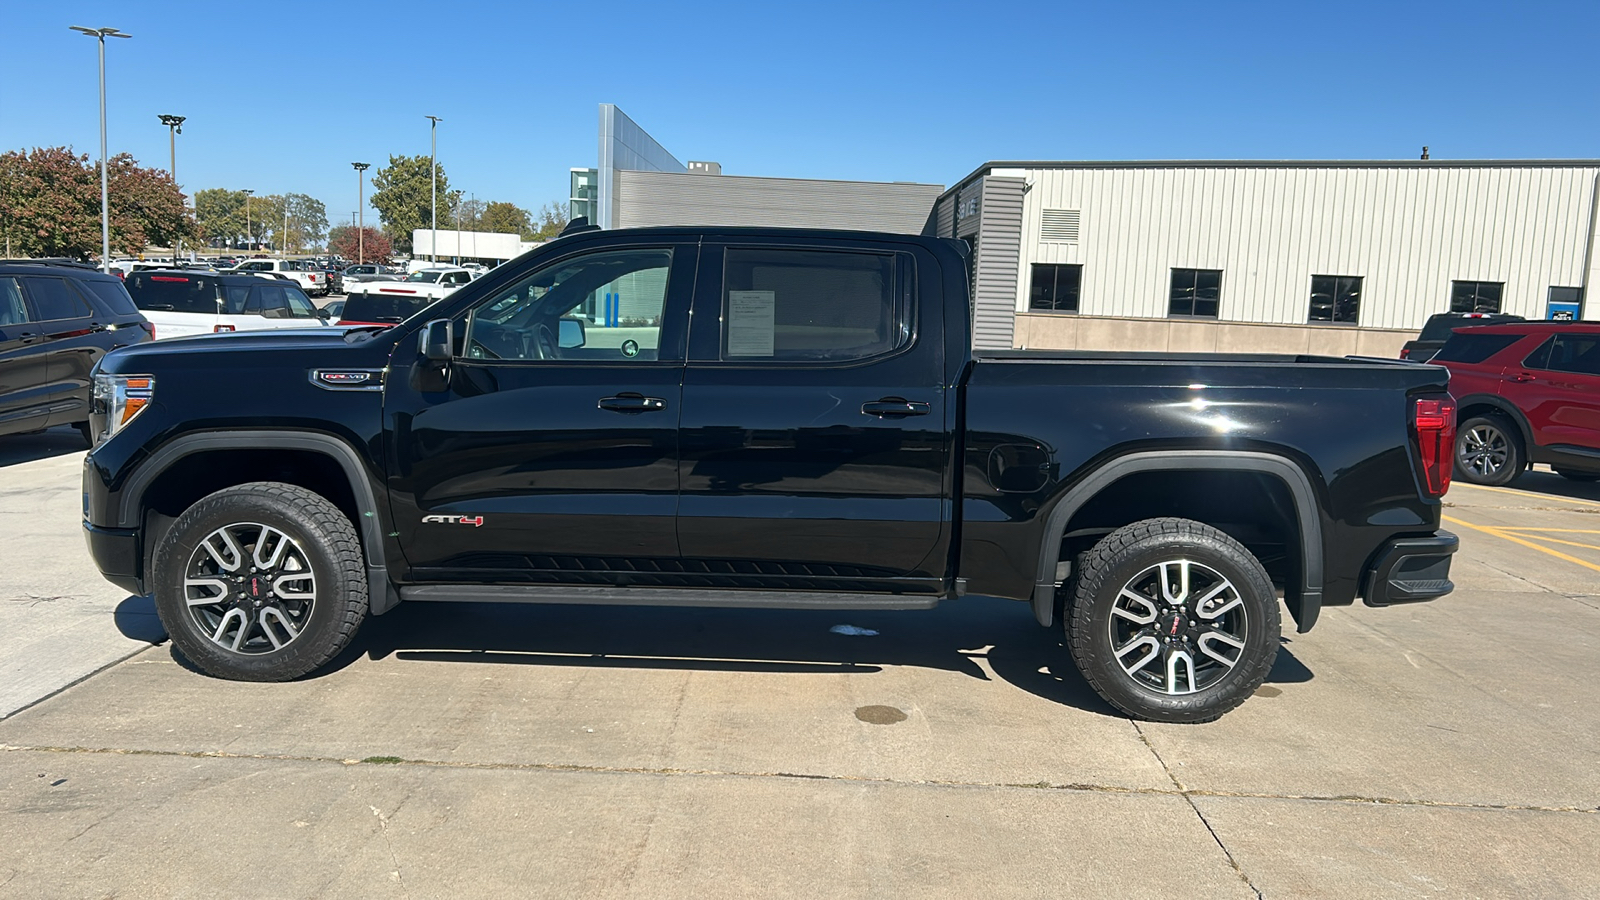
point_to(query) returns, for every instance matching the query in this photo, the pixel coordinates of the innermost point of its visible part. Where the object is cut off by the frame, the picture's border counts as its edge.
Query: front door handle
(1523, 378)
(895, 408)
(633, 403)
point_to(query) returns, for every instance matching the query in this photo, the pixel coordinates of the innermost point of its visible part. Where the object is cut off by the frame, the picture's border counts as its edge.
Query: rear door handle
(895, 408)
(633, 403)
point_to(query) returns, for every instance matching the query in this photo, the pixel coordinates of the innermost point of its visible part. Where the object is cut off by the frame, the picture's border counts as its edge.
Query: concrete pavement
(1445, 749)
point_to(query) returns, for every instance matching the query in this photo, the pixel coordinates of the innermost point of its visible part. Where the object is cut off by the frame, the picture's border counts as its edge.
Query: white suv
(312, 282)
(183, 302)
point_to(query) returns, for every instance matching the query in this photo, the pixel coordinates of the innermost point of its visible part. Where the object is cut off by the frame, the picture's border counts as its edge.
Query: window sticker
(751, 322)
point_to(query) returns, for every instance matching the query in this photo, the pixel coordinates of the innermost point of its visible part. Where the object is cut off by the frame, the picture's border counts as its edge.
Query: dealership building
(1326, 257)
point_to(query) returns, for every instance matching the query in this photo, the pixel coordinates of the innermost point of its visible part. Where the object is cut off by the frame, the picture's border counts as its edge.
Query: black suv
(57, 319)
(1439, 326)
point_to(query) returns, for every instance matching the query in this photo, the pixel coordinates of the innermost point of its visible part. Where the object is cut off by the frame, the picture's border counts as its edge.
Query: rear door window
(300, 306)
(173, 293)
(13, 311)
(1577, 353)
(784, 305)
(54, 298)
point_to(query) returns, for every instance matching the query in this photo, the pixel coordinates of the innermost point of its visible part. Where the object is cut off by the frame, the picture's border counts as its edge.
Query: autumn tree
(401, 195)
(50, 204)
(344, 241)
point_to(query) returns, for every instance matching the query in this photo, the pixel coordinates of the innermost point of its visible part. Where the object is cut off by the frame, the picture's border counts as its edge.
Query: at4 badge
(474, 521)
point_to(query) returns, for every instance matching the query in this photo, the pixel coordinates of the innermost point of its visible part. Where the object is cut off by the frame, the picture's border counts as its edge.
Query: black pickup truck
(769, 418)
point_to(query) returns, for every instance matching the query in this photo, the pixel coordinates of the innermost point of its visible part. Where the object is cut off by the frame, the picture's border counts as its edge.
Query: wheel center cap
(256, 586)
(1171, 625)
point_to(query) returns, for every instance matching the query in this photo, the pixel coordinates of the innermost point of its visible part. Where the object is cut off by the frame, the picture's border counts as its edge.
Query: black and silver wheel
(261, 582)
(1576, 475)
(1173, 621)
(1488, 451)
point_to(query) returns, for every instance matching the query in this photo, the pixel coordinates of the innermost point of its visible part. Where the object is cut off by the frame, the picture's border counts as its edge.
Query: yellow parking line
(1540, 537)
(1516, 540)
(1548, 530)
(1528, 494)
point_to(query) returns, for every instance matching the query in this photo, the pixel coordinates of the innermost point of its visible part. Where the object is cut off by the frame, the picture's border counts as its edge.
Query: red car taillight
(1436, 438)
(1405, 352)
(222, 329)
(150, 327)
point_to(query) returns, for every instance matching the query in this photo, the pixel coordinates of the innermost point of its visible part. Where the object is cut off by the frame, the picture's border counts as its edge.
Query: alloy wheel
(250, 588)
(1484, 450)
(1178, 627)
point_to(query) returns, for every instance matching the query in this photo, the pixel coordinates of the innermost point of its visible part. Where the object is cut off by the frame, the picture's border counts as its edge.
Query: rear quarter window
(1474, 348)
(114, 296)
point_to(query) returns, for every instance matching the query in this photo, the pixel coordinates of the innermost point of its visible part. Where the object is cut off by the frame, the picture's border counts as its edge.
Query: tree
(343, 241)
(400, 194)
(50, 204)
(308, 220)
(506, 218)
(552, 218)
(219, 214)
(469, 215)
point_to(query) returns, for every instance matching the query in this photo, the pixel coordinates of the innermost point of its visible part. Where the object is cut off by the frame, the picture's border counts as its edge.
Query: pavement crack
(576, 768)
(383, 829)
(1189, 799)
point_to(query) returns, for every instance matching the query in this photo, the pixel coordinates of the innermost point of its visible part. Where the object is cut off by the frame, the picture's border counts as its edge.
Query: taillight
(1436, 439)
(222, 329)
(1405, 352)
(150, 327)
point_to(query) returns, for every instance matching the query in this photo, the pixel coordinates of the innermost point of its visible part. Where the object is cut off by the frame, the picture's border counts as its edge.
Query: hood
(325, 339)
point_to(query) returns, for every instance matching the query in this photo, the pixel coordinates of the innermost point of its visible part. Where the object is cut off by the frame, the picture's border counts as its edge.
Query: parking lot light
(105, 207)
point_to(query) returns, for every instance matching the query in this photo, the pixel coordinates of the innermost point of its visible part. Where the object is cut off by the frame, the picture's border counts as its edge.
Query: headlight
(117, 399)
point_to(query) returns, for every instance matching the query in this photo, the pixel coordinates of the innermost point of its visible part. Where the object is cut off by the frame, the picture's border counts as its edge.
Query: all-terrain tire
(1489, 451)
(256, 632)
(1218, 609)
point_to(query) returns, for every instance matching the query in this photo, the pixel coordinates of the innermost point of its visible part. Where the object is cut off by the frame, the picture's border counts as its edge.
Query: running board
(648, 596)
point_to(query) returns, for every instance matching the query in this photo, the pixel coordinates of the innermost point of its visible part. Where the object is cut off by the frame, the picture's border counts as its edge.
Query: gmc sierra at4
(761, 418)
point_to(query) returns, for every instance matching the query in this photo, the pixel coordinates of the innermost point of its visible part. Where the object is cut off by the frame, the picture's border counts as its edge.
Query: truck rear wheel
(1172, 621)
(261, 582)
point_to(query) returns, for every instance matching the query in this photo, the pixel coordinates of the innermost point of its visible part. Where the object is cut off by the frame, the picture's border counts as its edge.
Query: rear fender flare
(1301, 492)
(370, 521)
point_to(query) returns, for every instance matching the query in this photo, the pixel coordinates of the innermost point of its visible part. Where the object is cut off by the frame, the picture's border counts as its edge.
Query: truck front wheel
(261, 582)
(1172, 621)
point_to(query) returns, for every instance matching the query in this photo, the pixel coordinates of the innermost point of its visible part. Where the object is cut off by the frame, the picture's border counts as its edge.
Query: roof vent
(1059, 225)
(696, 167)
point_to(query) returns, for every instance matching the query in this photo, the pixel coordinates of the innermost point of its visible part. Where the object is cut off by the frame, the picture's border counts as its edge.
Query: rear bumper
(116, 554)
(1411, 570)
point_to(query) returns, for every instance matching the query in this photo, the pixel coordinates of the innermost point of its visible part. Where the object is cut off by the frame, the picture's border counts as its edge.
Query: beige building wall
(1057, 331)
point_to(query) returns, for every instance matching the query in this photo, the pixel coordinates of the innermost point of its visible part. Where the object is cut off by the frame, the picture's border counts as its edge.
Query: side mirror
(323, 314)
(438, 340)
(572, 335)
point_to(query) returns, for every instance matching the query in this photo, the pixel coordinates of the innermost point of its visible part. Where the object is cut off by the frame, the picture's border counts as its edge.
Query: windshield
(429, 277)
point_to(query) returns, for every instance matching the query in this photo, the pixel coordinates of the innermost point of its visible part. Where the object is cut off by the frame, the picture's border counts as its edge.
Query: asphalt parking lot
(1449, 749)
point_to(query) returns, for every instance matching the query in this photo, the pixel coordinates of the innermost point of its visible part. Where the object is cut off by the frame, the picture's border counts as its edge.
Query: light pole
(105, 206)
(433, 185)
(174, 128)
(361, 210)
(249, 233)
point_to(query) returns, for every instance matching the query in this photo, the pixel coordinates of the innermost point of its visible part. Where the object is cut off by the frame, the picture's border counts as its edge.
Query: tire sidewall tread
(329, 541)
(1104, 569)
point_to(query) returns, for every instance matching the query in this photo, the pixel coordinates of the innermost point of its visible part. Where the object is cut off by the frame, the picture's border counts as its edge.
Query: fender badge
(474, 521)
(345, 377)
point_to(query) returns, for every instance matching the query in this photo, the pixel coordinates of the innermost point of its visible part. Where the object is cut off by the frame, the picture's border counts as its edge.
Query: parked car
(430, 284)
(773, 418)
(334, 309)
(1437, 330)
(381, 308)
(56, 323)
(311, 281)
(1526, 392)
(184, 302)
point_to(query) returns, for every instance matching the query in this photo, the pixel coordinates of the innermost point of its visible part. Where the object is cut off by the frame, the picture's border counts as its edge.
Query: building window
(1475, 296)
(1335, 298)
(1195, 292)
(1055, 288)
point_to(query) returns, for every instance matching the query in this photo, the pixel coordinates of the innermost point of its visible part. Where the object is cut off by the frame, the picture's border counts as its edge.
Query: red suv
(1525, 393)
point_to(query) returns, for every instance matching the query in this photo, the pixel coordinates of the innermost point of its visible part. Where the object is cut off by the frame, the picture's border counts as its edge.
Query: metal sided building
(1270, 256)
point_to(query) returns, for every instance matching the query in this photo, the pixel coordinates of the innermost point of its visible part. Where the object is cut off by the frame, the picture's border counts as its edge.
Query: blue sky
(283, 97)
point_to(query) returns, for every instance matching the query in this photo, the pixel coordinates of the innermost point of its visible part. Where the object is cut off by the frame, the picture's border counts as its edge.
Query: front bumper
(1411, 570)
(116, 554)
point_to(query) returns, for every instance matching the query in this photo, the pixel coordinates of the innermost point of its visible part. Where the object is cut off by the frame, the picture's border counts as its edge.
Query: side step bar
(650, 596)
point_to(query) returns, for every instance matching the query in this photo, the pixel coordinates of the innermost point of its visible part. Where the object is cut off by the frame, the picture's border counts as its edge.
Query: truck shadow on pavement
(23, 448)
(959, 636)
(1544, 482)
